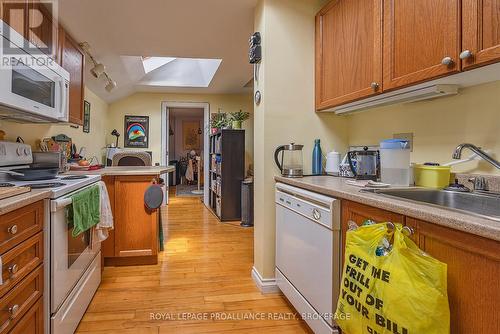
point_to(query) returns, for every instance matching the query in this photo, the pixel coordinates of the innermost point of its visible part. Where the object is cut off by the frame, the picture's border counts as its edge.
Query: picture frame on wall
(86, 116)
(136, 131)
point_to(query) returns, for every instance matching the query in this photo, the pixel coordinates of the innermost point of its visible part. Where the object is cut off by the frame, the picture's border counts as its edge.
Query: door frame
(165, 105)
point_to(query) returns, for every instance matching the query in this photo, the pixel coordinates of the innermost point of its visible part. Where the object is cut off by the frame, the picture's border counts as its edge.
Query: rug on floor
(183, 190)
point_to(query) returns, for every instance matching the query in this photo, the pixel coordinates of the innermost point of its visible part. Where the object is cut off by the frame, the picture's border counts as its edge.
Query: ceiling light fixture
(99, 70)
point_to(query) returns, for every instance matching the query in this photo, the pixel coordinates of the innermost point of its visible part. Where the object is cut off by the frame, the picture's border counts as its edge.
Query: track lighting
(99, 70)
(110, 85)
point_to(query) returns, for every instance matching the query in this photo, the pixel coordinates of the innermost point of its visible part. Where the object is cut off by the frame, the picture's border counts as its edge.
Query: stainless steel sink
(487, 206)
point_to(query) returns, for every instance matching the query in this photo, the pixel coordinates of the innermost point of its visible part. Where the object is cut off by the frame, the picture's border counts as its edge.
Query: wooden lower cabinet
(473, 275)
(135, 236)
(32, 322)
(473, 266)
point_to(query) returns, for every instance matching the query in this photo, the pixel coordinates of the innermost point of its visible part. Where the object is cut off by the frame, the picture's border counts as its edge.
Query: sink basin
(487, 206)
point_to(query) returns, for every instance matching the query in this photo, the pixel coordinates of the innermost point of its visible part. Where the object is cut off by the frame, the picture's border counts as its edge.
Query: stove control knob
(27, 151)
(20, 151)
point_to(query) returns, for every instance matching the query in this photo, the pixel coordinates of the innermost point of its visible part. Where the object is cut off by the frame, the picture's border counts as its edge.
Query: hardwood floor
(201, 284)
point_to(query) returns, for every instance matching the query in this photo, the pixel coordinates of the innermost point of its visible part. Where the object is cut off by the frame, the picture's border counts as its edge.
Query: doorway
(178, 136)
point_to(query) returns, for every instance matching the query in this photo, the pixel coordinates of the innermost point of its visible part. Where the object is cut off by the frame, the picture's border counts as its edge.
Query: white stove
(62, 185)
(72, 265)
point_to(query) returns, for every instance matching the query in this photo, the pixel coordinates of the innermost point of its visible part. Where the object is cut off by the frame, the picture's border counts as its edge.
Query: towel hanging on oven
(84, 211)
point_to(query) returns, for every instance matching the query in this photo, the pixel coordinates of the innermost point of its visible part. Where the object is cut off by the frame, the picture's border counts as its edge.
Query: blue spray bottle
(317, 164)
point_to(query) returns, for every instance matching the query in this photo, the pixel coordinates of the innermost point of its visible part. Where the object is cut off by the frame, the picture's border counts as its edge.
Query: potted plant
(238, 117)
(218, 121)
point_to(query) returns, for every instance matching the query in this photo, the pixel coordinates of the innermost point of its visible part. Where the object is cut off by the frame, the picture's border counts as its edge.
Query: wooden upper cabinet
(42, 28)
(348, 51)
(72, 59)
(480, 32)
(15, 14)
(421, 40)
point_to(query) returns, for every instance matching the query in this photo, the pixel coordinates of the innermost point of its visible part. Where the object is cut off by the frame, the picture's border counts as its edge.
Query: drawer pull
(13, 269)
(12, 229)
(13, 309)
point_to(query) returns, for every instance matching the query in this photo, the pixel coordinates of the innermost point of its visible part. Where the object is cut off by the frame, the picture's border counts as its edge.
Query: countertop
(18, 201)
(336, 187)
(126, 170)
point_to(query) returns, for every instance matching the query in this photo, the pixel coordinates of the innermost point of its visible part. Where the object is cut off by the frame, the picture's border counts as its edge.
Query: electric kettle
(290, 162)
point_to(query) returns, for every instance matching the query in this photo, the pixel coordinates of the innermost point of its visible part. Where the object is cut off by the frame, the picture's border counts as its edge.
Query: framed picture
(190, 136)
(86, 116)
(136, 131)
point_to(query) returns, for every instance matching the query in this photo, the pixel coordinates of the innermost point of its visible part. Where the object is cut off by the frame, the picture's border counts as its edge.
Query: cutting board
(13, 191)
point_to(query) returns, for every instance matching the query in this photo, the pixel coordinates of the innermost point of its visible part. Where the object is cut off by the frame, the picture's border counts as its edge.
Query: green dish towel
(84, 212)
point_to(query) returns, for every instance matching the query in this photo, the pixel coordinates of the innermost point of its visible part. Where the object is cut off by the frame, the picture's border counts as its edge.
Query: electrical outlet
(408, 136)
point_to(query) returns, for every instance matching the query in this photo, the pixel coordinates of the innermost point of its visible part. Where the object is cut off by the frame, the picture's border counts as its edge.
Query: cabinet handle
(12, 229)
(375, 86)
(13, 269)
(13, 309)
(447, 61)
(465, 54)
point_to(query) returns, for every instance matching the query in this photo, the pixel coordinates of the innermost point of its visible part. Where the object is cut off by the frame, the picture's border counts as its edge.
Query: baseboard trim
(265, 285)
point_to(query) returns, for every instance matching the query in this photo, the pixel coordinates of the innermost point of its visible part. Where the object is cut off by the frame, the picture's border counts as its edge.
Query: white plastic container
(333, 163)
(395, 162)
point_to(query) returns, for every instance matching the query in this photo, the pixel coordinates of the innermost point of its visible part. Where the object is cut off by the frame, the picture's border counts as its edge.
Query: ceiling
(214, 29)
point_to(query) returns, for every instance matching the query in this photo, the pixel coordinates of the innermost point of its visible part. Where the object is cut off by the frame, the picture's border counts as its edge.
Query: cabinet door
(15, 14)
(135, 230)
(72, 59)
(481, 32)
(421, 40)
(473, 271)
(348, 51)
(42, 28)
(358, 213)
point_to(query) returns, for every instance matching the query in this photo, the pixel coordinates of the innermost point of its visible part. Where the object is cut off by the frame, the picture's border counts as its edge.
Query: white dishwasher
(308, 252)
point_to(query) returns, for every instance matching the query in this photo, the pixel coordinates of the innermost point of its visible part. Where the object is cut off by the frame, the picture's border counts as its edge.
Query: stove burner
(74, 177)
(45, 185)
(4, 185)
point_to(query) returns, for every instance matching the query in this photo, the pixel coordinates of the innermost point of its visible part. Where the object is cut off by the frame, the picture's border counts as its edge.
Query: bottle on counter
(317, 163)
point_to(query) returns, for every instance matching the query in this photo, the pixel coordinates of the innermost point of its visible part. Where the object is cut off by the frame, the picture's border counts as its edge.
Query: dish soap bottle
(317, 164)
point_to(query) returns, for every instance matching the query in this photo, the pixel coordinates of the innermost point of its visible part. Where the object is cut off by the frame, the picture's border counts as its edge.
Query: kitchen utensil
(290, 163)
(432, 176)
(32, 174)
(333, 163)
(153, 197)
(365, 164)
(395, 162)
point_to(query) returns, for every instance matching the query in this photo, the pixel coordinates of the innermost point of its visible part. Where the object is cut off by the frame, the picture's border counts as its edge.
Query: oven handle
(59, 204)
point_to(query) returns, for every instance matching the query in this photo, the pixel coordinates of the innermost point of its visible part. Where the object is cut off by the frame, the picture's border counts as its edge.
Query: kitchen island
(134, 239)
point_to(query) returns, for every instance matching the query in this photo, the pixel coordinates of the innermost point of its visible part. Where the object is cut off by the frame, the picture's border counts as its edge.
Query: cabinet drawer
(20, 261)
(19, 300)
(32, 322)
(19, 225)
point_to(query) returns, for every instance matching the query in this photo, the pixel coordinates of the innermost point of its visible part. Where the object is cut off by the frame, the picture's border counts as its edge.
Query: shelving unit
(227, 171)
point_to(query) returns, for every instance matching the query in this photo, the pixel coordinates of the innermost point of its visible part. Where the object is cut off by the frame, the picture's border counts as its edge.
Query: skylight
(182, 72)
(152, 63)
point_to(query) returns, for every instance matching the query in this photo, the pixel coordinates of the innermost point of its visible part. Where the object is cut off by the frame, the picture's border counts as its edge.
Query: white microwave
(33, 87)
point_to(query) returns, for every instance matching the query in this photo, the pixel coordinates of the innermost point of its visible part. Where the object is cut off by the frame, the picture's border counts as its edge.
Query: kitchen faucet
(458, 153)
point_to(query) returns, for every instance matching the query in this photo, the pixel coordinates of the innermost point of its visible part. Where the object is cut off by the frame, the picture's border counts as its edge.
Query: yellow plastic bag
(402, 292)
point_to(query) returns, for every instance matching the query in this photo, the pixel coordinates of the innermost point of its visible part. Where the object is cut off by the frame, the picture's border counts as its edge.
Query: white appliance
(72, 265)
(33, 87)
(308, 254)
(332, 166)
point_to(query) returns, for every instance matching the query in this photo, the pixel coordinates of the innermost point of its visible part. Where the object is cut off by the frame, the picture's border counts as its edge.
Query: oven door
(70, 256)
(35, 90)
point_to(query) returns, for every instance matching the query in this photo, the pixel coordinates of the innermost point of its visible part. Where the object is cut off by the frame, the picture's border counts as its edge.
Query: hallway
(201, 284)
